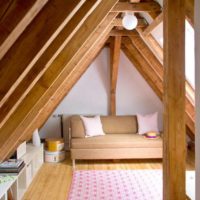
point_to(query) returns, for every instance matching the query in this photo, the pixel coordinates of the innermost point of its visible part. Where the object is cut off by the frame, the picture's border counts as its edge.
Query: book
(12, 170)
(11, 163)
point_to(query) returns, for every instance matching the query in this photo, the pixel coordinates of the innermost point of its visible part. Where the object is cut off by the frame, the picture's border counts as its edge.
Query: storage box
(54, 144)
(54, 157)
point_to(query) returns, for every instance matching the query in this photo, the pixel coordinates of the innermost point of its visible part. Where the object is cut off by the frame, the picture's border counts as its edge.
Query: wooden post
(174, 101)
(114, 65)
(197, 91)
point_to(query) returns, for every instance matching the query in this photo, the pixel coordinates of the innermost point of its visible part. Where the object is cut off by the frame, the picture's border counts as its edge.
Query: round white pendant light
(129, 21)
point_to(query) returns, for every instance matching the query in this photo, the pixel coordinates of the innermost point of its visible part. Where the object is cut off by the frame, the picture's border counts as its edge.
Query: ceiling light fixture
(129, 21)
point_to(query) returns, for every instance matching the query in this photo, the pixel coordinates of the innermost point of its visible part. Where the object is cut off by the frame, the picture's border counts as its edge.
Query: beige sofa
(120, 142)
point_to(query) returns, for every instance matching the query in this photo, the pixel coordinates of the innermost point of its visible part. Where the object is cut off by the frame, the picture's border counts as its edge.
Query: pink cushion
(147, 123)
(93, 126)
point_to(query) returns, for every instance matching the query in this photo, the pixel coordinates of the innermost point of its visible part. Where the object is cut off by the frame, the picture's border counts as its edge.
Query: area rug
(116, 185)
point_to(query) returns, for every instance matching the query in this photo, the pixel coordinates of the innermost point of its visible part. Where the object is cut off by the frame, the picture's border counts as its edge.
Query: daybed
(121, 140)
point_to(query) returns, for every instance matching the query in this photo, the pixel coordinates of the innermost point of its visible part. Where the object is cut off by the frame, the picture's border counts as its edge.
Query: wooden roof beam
(66, 87)
(115, 32)
(158, 52)
(45, 60)
(61, 68)
(114, 66)
(15, 17)
(142, 66)
(153, 25)
(159, 70)
(151, 6)
(142, 23)
(33, 42)
(152, 43)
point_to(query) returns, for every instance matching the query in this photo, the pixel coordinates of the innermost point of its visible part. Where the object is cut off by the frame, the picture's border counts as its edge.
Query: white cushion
(147, 123)
(93, 126)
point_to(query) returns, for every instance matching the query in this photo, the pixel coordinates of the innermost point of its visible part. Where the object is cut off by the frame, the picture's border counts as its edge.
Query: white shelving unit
(33, 161)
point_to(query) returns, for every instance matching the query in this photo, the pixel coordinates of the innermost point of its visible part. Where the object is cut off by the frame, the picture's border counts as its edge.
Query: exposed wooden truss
(156, 73)
(65, 88)
(45, 60)
(33, 83)
(60, 69)
(157, 17)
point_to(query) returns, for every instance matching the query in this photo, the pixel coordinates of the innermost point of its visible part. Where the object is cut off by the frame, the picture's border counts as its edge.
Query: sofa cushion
(111, 125)
(147, 123)
(119, 124)
(115, 141)
(93, 126)
(77, 127)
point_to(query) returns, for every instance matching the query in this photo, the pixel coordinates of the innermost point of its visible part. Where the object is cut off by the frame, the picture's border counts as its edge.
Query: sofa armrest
(70, 136)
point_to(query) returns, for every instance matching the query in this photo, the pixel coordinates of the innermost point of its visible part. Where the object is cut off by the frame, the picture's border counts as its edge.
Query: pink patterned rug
(116, 185)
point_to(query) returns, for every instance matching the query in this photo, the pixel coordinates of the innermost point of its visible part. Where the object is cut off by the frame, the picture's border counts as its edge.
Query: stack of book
(11, 166)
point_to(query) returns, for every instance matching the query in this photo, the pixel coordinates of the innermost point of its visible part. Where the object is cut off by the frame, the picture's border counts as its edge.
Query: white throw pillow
(93, 126)
(147, 123)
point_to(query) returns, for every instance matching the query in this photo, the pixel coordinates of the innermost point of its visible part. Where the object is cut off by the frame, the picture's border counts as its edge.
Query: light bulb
(129, 21)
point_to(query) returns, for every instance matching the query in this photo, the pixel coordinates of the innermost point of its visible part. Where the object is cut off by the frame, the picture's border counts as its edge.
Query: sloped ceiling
(44, 52)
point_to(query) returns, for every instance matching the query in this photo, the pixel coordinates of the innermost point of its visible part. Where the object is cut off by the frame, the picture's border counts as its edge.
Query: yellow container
(54, 144)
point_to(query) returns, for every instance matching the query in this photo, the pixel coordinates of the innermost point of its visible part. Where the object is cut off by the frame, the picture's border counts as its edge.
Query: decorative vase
(36, 138)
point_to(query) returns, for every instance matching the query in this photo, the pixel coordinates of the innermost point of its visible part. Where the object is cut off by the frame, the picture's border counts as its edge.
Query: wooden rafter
(45, 60)
(114, 65)
(15, 17)
(158, 52)
(153, 25)
(59, 70)
(152, 43)
(124, 32)
(148, 55)
(151, 6)
(33, 42)
(157, 72)
(142, 66)
(141, 22)
(65, 88)
(174, 145)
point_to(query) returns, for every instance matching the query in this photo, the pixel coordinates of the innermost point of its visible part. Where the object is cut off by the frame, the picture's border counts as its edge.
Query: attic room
(99, 99)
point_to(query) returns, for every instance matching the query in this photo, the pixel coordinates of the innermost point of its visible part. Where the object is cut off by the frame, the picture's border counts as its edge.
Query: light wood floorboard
(53, 180)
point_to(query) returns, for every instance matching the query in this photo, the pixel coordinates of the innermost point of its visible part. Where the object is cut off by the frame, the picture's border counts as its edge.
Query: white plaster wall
(90, 95)
(197, 90)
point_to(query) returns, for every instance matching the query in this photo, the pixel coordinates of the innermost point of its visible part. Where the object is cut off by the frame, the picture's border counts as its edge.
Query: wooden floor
(53, 180)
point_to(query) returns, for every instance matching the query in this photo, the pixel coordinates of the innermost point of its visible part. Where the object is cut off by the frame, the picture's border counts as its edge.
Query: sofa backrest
(111, 124)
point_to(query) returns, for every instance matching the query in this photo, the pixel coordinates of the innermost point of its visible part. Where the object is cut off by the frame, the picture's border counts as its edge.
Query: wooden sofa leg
(73, 164)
